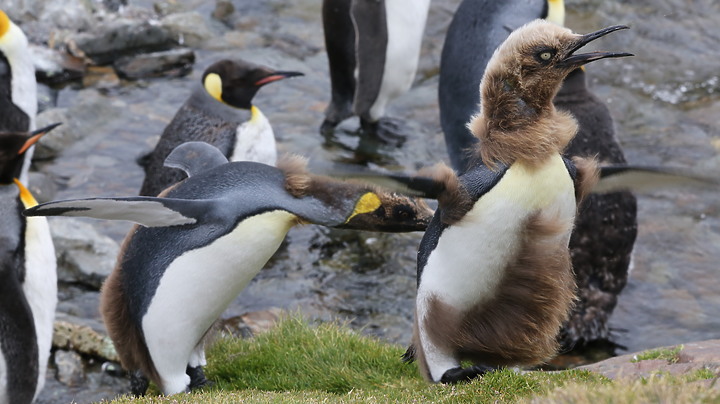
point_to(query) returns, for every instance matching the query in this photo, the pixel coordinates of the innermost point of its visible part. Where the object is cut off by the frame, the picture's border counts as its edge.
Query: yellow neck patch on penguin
(26, 197)
(4, 23)
(213, 85)
(367, 203)
(556, 12)
(255, 114)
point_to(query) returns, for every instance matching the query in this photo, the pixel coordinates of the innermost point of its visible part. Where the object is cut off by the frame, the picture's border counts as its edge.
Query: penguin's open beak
(275, 76)
(36, 135)
(573, 61)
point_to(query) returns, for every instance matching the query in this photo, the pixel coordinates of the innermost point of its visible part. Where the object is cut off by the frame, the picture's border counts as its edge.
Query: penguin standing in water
(202, 243)
(221, 113)
(605, 229)
(495, 280)
(18, 88)
(28, 279)
(373, 49)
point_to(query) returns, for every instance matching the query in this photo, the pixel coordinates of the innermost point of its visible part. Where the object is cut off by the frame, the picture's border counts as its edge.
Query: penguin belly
(473, 256)
(405, 25)
(255, 140)
(199, 285)
(40, 287)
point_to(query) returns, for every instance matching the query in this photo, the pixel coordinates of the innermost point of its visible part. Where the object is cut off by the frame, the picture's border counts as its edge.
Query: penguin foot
(138, 383)
(386, 130)
(459, 374)
(327, 128)
(409, 355)
(197, 378)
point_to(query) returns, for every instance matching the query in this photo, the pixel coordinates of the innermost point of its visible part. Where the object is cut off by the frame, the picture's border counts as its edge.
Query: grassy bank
(298, 363)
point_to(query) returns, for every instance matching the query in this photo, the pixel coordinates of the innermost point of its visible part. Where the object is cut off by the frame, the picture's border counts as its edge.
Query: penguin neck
(511, 127)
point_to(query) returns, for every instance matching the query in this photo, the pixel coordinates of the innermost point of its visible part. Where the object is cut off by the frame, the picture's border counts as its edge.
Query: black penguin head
(235, 82)
(536, 57)
(384, 211)
(13, 146)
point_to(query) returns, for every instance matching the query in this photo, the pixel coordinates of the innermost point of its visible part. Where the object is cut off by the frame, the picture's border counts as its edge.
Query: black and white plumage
(606, 226)
(373, 49)
(203, 241)
(28, 279)
(219, 112)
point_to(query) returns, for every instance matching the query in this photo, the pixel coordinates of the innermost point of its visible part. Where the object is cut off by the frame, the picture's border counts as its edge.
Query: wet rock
(76, 15)
(223, 10)
(54, 67)
(253, 323)
(101, 77)
(41, 186)
(190, 28)
(114, 5)
(84, 255)
(693, 356)
(84, 340)
(61, 137)
(172, 63)
(69, 366)
(122, 39)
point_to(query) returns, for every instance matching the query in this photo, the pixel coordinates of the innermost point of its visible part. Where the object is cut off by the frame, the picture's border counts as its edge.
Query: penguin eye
(544, 55)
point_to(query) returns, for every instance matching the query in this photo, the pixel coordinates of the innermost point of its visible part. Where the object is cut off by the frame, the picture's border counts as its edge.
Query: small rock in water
(172, 63)
(70, 369)
(84, 255)
(190, 28)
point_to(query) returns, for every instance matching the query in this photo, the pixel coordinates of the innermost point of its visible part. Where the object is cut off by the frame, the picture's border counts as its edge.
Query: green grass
(671, 355)
(298, 363)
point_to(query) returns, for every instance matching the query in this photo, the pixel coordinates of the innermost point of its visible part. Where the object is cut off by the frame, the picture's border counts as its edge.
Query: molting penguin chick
(219, 112)
(28, 286)
(495, 280)
(18, 89)
(373, 49)
(203, 242)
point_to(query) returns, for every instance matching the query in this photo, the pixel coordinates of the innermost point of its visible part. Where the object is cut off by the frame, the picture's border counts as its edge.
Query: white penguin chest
(255, 140)
(197, 286)
(472, 255)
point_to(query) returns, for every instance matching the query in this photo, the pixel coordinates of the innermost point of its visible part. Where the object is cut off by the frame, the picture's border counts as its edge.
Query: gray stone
(70, 369)
(70, 14)
(121, 39)
(61, 137)
(189, 28)
(56, 67)
(83, 339)
(172, 63)
(84, 255)
(41, 186)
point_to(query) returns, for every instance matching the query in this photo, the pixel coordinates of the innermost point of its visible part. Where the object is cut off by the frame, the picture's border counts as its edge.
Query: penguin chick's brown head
(13, 146)
(517, 119)
(235, 82)
(363, 207)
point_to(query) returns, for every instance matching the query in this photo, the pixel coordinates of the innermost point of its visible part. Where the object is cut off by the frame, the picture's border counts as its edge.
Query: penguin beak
(398, 214)
(572, 61)
(275, 76)
(36, 135)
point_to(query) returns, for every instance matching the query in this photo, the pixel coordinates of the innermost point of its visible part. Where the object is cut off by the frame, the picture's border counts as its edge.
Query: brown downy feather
(519, 325)
(455, 200)
(127, 337)
(297, 179)
(588, 175)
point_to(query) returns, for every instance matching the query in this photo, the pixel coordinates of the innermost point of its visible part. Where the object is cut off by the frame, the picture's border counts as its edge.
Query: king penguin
(605, 230)
(495, 279)
(28, 279)
(203, 241)
(373, 49)
(18, 88)
(220, 112)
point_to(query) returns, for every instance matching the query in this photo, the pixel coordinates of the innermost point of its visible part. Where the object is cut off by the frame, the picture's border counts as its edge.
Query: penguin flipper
(636, 178)
(147, 211)
(371, 35)
(195, 157)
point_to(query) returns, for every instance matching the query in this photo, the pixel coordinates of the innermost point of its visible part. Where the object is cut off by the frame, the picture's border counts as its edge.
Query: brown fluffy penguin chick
(495, 281)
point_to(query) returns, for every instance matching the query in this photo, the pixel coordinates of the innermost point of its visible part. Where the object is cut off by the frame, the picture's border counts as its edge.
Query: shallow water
(665, 100)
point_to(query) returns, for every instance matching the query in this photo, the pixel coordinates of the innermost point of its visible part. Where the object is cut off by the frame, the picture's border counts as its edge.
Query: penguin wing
(147, 211)
(371, 37)
(195, 157)
(649, 178)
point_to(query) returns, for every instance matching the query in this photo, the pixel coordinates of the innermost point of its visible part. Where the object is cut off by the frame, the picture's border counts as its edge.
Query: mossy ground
(299, 363)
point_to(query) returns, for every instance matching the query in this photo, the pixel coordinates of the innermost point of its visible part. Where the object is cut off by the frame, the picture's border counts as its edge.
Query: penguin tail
(409, 355)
